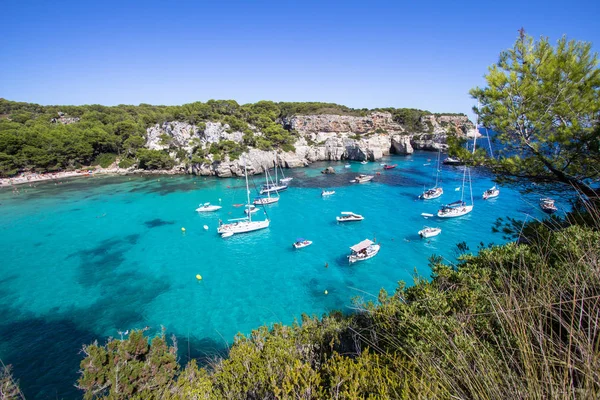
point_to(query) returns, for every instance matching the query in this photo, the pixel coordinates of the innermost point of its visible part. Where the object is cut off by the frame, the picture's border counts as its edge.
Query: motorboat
(242, 225)
(453, 161)
(347, 166)
(428, 232)
(432, 193)
(326, 193)
(386, 166)
(363, 162)
(286, 180)
(273, 187)
(491, 193)
(362, 178)
(348, 216)
(547, 205)
(456, 209)
(301, 242)
(206, 207)
(363, 251)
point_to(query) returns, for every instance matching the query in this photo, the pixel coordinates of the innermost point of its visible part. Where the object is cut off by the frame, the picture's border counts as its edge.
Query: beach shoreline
(33, 177)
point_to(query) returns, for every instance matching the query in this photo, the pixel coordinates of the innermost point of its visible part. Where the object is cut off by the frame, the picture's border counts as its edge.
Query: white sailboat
(283, 180)
(460, 208)
(435, 191)
(493, 191)
(274, 186)
(242, 225)
(267, 200)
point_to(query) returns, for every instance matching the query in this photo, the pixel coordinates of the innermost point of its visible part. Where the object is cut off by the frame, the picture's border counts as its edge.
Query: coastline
(34, 177)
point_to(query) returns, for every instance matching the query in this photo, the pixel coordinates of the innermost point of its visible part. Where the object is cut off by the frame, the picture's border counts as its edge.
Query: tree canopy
(544, 104)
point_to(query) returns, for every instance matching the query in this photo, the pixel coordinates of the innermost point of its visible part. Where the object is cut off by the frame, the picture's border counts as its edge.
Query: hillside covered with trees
(53, 138)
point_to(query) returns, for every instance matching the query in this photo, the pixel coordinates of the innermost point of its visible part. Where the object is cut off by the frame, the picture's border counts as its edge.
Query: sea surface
(91, 257)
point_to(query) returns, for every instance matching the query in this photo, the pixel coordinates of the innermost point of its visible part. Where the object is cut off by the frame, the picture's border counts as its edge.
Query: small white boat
(206, 207)
(326, 193)
(363, 251)
(347, 166)
(362, 178)
(301, 242)
(226, 234)
(428, 232)
(364, 162)
(348, 216)
(251, 209)
(286, 180)
(432, 193)
(456, 209)
(547, 205)
(426, 215)
(491, 193)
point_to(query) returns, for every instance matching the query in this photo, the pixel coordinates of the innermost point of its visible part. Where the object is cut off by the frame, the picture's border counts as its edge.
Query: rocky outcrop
(328, 171)
(320, 138)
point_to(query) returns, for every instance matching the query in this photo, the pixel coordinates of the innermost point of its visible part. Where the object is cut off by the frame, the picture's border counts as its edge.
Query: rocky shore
(319, 138)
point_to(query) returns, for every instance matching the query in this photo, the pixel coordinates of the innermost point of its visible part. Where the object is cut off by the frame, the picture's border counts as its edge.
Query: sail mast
(247, 193)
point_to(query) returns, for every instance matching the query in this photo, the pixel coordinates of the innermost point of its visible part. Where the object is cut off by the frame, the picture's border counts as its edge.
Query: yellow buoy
(182, 229)
(326, 292)
(199, 277)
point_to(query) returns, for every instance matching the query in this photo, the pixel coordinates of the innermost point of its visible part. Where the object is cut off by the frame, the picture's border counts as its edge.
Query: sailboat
(267, 200)
(242, 225)
(274, 186)
(460, 208)
(493, 191)
(435, 191)
(284, 180)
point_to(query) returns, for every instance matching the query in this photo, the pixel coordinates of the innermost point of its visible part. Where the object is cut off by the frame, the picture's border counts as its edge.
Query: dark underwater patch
(154, 223)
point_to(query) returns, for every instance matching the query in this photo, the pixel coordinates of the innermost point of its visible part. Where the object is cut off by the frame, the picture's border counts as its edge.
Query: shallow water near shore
(90, 257)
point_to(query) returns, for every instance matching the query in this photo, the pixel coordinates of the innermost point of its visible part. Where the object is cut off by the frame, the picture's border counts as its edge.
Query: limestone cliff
(319, 138)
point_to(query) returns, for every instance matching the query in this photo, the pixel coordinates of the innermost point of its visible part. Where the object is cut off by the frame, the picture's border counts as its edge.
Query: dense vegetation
(36, 138)
(544, 103)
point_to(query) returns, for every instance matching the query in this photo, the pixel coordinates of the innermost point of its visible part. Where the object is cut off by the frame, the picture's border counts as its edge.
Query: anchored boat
(363, 251)
(206, 207)
(348, 216)
(428, 232)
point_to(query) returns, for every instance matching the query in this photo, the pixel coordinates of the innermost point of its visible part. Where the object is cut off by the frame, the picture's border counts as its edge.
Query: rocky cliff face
(320, 138)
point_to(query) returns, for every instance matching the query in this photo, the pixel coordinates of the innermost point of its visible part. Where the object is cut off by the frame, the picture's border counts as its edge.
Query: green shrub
(126, 163)
(105, 160)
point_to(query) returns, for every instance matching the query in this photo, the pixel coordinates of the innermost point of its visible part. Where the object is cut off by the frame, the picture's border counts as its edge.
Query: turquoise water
(93, 256)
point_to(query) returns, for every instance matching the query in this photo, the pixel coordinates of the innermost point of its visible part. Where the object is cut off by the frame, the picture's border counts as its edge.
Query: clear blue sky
(361, 54)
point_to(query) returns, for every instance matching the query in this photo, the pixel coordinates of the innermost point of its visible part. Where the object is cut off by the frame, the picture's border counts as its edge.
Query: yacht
(363, 251)
(348, 216)
(362, 178)
(428, 232)
(326, 193)
(262, 200)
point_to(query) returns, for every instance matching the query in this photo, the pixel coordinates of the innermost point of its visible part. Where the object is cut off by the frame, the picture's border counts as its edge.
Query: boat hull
(349, 219)
(455, 212)
(243, 226)
(427, 233)
(266, 201)
(273, 189)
